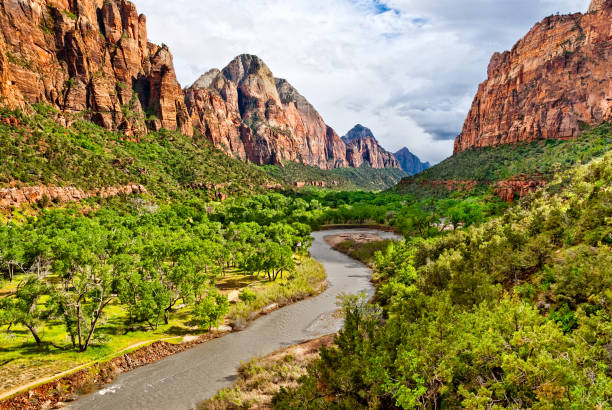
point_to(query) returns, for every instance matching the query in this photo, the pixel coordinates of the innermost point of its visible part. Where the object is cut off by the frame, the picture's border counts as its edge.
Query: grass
(22, 361)
(307, 280)
(363, 252)
(261, 378)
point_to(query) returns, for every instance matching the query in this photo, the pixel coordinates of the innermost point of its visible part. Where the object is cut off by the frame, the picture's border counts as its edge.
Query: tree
(209, 310)
(24, 307)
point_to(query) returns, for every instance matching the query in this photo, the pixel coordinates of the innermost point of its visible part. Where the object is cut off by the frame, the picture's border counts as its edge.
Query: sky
(407, 69)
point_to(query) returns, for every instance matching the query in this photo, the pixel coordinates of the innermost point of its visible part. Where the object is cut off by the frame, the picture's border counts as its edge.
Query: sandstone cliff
(250, 114)
(246, 111)
(410, 163)
(363, 149)
(90, 57)
(554, 82)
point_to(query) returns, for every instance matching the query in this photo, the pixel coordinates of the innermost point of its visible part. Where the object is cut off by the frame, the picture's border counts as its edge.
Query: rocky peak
(206, 80)
(552, 84)
(244, 66)
(254, 116)
(410, 163)
(89, 56)
(363, 149)
(358, 132)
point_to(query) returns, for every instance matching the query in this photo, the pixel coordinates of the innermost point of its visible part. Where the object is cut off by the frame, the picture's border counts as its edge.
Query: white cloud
(408, 73)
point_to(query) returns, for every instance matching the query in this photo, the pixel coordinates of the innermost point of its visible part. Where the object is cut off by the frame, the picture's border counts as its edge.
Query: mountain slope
(518, 167)
(90, 57)
(40, 153)
(363, 149)
(551, 85)
(410, 163)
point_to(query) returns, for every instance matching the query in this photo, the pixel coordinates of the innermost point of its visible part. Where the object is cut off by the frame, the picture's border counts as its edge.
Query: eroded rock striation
(363, 149)
(554, 82)
(410, 163)
(90, 57)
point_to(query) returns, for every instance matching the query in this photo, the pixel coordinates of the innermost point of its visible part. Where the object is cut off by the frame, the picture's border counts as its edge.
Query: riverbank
(261, 378)
(76, 378)
(184, 380)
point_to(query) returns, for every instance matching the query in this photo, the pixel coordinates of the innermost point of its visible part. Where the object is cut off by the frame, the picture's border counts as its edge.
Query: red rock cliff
(555, 81)
(89, 56)
(252, 115)
(362, 148)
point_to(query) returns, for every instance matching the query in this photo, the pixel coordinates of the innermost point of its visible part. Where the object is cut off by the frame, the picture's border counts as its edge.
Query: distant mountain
(410, 163)
(363, 149)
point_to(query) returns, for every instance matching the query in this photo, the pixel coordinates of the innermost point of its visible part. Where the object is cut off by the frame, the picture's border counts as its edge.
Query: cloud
(407, 69)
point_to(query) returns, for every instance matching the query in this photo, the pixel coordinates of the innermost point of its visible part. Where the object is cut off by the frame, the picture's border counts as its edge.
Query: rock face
(91, 57)
(246, 111)
(553, 83)
(250, 114)
(31, 195)
(518, 186)
(410, 163)
(363, 149)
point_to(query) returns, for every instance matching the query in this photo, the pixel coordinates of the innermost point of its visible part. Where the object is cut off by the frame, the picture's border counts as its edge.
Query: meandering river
(183, 380)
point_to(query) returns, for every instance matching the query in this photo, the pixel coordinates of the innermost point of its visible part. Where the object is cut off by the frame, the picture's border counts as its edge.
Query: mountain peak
(245, 65)
(205, 80)
(358, 132)
(410, 163)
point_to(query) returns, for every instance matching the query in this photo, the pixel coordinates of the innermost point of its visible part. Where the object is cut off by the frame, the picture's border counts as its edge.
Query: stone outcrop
(90, 57)
(518, 186)
(246, 111)
(30, 195)
(363, 149)
(410, 163)
(555, 81)
(250, 114)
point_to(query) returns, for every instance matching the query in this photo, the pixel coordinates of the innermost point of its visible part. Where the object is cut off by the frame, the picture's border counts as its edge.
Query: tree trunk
(33, 331)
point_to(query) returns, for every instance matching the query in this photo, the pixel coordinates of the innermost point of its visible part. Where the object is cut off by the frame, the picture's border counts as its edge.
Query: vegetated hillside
(343, 179)
(513, 313)
(540, 159)
(35, 150)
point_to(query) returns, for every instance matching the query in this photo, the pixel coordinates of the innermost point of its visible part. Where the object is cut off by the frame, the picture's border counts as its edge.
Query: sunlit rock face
(252, 115)
(363, 149)
(553, 83)
(90, 57)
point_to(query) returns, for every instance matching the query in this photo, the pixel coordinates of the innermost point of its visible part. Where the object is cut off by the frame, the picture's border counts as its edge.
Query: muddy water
(183, 380)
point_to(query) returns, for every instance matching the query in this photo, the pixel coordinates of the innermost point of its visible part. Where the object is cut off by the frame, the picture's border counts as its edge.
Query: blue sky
(407, 69)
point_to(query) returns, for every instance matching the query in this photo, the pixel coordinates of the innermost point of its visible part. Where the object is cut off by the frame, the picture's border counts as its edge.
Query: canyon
(553, 84)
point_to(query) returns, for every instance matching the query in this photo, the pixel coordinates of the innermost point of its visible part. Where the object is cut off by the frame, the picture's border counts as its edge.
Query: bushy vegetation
(515, 312)
(36, 150)
(340, 179)
(487, 165)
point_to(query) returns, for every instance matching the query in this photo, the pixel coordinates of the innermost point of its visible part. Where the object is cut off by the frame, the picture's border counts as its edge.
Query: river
(183, 380)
